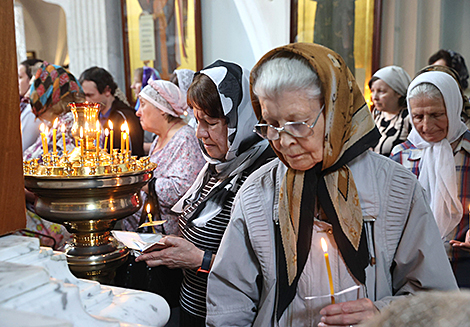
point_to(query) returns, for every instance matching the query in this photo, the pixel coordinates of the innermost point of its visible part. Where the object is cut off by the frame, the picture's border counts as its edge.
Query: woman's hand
(464, 245)
(179, 253)
(347, 313)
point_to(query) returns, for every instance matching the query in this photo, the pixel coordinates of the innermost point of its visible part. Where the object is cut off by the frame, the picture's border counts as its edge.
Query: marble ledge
(37, 281)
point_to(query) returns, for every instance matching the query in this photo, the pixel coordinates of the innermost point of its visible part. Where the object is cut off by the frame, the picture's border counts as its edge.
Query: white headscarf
(396, 77)
(437, 169)
(233, 85)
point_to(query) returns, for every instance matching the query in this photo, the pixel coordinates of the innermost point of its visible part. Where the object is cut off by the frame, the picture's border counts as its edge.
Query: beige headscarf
(349, 131)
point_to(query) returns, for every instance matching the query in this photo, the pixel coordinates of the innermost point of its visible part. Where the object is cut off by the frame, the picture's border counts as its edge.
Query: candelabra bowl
(89, 205)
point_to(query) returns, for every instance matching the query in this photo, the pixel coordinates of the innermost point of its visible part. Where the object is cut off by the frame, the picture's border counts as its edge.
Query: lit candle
(54, 136)
(81, 140)
(123, 141)
(86, 135)
(328, 268)
(42, 128)
(98, 133)
(111, 137)
(127, 139)
(62, 129)
(149, 215)
(46, 136)
(106, 133)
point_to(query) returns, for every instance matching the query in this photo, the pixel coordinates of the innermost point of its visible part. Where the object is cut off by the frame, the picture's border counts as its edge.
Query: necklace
(158, 146)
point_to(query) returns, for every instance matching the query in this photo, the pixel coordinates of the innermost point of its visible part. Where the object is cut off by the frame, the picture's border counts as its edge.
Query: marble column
(94, 36)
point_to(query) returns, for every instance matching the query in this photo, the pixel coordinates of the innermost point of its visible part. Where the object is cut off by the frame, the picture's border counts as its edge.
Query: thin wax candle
(106, 133)
(54, 136)
(111, 137)
(328, 268)
(62, 129)
(149, 215)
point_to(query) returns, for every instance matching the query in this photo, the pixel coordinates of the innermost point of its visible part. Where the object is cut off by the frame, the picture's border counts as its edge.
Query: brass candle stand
(88, 191)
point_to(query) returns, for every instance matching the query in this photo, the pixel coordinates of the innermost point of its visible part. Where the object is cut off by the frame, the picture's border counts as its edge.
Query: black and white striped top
(194, 286)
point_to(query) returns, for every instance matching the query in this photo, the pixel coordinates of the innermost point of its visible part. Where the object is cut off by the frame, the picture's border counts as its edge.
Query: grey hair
(282, 74)
(425, 90)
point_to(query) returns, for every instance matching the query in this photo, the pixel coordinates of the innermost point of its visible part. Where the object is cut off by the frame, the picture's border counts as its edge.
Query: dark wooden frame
(125, 43)
(376, 37)
(12, 196)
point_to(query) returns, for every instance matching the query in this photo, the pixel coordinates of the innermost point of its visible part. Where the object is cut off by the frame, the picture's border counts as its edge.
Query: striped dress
(194, 286)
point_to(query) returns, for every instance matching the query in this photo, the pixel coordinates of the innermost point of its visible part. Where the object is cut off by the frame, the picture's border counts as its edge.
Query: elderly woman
(388, 87)
(438, 152)
(270, 269)
(219, 96)
(175, 150)
(52, 90)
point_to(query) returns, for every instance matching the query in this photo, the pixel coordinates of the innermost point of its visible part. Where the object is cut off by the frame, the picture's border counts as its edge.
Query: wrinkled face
(429, 118)
(301, 153)
(93, 95)
(213, 132)
(384, 97)
(150, 117)
(23, 80)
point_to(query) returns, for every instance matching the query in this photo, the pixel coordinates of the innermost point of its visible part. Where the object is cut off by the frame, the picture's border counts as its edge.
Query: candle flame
(110, 124)
(124, 127)
(46, 131)
(42, 127)
(148, 207)
(81, 132)
(324, 246)
(62, 128)
(124, 136)
(56, 123)
(106, 132)
(98, 127)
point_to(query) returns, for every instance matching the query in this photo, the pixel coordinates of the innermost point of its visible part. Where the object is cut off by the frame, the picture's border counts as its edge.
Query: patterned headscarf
(165, 91)
(52, 83)
(349, 131)
(244, 146)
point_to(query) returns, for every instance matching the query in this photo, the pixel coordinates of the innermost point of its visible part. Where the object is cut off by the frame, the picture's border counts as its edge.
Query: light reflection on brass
(88, 194)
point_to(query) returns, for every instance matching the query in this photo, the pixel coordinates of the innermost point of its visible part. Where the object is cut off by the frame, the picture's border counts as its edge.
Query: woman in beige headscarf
(326, 184)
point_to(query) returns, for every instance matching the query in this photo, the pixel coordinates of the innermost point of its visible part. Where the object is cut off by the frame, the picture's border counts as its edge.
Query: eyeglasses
(295, 129)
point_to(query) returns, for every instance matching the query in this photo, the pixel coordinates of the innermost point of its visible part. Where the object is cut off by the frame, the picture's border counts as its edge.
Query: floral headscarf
(52, 83)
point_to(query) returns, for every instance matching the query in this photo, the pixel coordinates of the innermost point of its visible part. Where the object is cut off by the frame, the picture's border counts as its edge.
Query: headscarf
(244, 146)
(451, 71)
(169, 92)
(437, 170)
(396, 77)
(52, 83)
(349, 131)
(185, 78)
(148, 74)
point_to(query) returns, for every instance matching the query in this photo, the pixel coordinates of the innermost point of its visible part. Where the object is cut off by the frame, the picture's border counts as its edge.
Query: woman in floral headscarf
(175, 151)
(52, 90)
(219, 96)
(270, 269)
